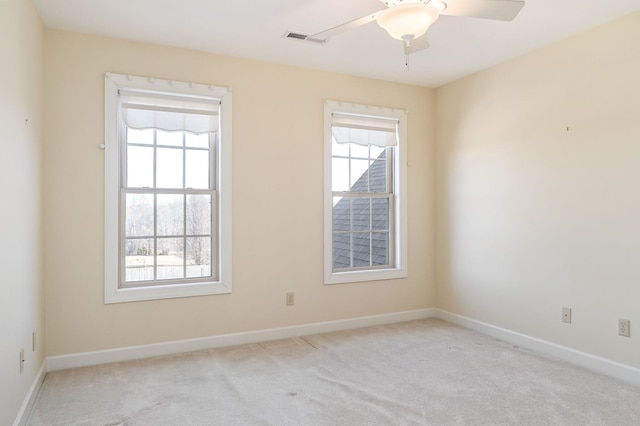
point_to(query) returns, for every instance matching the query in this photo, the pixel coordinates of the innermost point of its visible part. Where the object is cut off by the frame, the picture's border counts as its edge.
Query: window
(167, 189)
(365, 201)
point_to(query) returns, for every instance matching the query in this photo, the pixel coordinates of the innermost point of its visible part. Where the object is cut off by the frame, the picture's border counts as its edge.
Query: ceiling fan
(409, 20)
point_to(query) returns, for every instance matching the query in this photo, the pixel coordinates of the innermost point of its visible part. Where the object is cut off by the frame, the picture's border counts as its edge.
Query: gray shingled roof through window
(364, 210)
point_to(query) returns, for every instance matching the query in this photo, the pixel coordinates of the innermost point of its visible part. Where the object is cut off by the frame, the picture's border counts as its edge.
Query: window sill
(136, 294)
(359, 276)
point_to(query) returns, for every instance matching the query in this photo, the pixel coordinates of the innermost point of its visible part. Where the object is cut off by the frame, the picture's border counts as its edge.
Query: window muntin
(167, 189)
(362, 202)
(168, 218)
(365, 203)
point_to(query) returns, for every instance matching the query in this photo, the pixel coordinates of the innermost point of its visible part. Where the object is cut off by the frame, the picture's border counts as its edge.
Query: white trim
(401, 269)
(30, 398)
(224, 190)
(154, 84)
(364, 275)
(111, 187)
(223, 285)
(591, 362)
(182, 346)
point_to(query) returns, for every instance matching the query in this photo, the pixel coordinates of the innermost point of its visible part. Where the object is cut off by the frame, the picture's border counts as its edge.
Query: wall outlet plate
(566, 315)
(290, 299)
(624, 327)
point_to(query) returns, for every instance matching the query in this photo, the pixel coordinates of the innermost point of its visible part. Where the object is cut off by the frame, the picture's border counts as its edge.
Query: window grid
(155, 191)
(370, 195)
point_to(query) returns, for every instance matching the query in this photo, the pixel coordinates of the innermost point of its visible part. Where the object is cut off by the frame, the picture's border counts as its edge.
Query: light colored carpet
(413, 373)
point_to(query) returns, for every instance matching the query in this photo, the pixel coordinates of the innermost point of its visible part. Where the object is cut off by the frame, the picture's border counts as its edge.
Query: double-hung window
(365, 196)
(167, 189)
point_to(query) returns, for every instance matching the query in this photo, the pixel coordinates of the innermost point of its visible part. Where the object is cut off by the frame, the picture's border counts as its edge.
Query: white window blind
(147, 110)
(364, 130)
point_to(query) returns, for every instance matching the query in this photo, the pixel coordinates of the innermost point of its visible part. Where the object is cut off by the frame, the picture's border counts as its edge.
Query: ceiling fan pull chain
(406, 54)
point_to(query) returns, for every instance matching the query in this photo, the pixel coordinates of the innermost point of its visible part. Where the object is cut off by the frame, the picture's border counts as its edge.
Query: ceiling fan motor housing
(407, 21)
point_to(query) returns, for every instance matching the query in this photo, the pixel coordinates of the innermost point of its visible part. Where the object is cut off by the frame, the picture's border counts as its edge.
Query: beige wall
(277, 197)
(21, 288)
(539, 192)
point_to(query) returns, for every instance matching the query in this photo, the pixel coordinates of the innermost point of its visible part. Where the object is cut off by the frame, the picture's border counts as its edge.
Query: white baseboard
(591, 362)
(27, 404)
(181, 346)
(582, 359)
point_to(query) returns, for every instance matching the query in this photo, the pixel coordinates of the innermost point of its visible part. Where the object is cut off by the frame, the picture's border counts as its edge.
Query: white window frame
(398, 244)
(113, 293)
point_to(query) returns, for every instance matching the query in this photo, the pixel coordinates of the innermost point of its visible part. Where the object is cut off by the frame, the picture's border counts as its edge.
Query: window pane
(139, 167)
(198, 257)
(197, 169)
(341, 251)
(139, 215)
(169, 168)
(169, 138)
(339, 149)
(197, 141)
(170, 258)
(359, 176)
(361, 213)
(340, 174)
(199, 214)
(380, 214)
(378, 175)
(359, 151)
(361, 249)
(170, 214)
(377, 152)
(341, 214)
(380, 244)
(140, 136)
(139, 260)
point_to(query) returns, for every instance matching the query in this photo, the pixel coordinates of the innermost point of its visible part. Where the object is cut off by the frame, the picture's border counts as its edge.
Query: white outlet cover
(624, 327)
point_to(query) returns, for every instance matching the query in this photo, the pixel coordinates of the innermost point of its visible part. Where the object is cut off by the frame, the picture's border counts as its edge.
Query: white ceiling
(254, 29)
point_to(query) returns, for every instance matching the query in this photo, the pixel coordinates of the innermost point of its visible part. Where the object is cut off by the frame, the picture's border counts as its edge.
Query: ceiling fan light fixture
(408, 21)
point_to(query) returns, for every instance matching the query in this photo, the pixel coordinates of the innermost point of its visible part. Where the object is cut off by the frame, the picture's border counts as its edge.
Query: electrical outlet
(624, 327)
(290, 299)
(566, 315)
(21, 360)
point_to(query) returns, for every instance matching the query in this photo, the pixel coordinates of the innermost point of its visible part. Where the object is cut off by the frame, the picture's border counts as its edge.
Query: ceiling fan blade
(501, 10)
(331, 32)
(416, 45)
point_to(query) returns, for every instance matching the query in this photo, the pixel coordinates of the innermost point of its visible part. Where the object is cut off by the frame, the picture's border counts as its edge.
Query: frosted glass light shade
(408, 21)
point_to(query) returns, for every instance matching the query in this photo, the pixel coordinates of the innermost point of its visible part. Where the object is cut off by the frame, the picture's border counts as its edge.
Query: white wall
(21, 289)
(277, 197)
(539, 192)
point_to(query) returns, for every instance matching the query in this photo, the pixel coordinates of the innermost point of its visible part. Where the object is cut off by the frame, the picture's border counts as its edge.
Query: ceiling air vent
(303, 37)
(296, 36)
